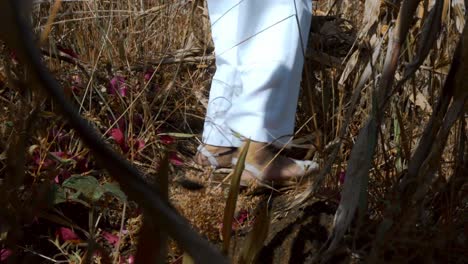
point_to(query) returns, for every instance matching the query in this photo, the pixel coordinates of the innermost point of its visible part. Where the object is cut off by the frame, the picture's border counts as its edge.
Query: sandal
(307, 167)
(204, 157)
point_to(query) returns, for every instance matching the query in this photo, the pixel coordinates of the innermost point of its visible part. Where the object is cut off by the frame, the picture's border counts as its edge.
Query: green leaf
(87, 185)
(178, 135)
(114, 189)
(58, 194)
(232, 197)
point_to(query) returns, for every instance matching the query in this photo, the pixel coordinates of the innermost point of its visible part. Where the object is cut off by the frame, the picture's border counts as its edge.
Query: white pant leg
(224, 24)
(259, 60)
(271, 60)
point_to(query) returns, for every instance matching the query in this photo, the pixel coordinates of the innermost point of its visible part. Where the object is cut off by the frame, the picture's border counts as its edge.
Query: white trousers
(259, 48)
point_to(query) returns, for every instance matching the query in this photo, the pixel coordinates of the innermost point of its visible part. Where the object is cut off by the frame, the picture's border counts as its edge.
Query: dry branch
(20, 37)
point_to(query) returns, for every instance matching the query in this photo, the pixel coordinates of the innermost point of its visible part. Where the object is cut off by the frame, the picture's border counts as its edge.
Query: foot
(214, 156)
(264, 165)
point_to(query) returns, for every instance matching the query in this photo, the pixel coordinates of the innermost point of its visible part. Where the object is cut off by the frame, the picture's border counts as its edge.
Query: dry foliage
(383, 109)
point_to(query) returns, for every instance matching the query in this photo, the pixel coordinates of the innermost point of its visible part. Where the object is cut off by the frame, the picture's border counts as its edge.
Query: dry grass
(160, 54)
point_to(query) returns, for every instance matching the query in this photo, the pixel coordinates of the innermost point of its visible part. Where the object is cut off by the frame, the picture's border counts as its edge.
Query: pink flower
(139, 144)
(111, 238)
(61, 154)
(41, 161)
(148, 74)
(242, 216)
(119, 138)
(342, 177)
(118, 85)
(175, 160)
(5, 253)
(127, 260)
(14, 57)
(66, 234)
(68, 51)
(167, 140)
(62, 176)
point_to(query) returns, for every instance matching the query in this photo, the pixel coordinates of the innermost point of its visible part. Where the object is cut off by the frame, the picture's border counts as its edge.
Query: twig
(122, 221)
(69, 59)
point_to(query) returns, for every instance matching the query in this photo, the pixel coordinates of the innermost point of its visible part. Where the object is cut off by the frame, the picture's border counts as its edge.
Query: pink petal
(127, 260)
(242, 216)
(66, 234)
(60, 154)
(139, 144)
(68, 51)
(118, 136)
(165, 139)
(39, 161)
(5, 253)
(342, 177)
(117, 85)
(176, 160)
(76, 79)
(13, 56)
(62, 176)
(77, 83)
(75, 88)
(111, 238)
(149, 72)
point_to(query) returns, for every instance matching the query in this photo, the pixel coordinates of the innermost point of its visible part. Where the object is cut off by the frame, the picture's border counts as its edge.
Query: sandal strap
(210, 156)
(257, 173)
(306, 166)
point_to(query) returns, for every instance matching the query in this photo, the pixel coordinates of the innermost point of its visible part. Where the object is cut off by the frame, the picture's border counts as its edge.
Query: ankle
(259, 153)
(215, 156)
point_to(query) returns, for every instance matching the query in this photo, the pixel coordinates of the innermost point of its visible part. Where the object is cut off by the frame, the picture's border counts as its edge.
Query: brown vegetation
(383, 110)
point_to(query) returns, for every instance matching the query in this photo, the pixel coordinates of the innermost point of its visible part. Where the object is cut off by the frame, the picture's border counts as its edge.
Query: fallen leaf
(111, 238)
(14, 57)
(117, 85)
(62, 176)
(127, 260)
(148, 74)
(175, 160)
(40, 161)
(119, 138)
(68, 51)
(165, 139)
(342, 177)
(139, 144)
(5, 253)
(66, 234)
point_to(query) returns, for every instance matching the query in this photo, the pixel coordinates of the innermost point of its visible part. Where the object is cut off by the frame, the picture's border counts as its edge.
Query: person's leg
(219, 141)
(273, 37)
(226, 80)
(267, 42)
(273, 34)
